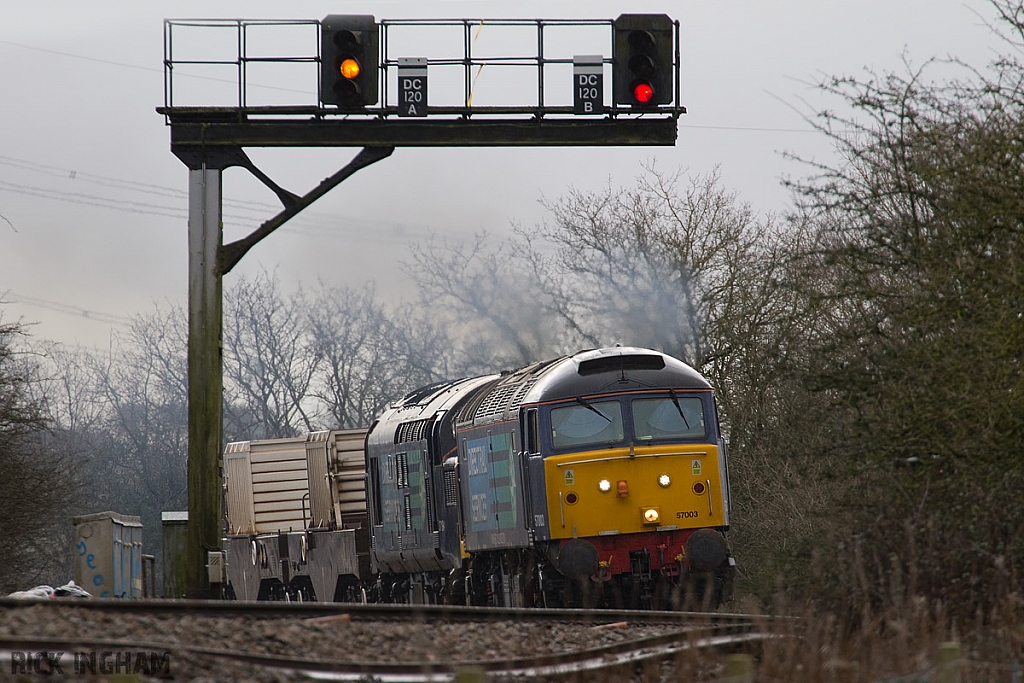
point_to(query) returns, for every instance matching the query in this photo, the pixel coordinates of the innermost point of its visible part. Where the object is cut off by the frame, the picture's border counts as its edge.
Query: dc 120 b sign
(588, 84)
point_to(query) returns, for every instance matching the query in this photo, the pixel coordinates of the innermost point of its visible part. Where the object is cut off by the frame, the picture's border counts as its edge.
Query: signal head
(643, 62)
(349, 61)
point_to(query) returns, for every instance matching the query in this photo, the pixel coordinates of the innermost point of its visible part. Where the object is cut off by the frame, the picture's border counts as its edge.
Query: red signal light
(643, 92)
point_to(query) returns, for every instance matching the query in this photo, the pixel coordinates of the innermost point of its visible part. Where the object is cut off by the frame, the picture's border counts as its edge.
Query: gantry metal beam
(189, 135)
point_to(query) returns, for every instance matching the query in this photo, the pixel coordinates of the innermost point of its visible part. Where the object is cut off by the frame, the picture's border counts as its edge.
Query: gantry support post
(205, 406)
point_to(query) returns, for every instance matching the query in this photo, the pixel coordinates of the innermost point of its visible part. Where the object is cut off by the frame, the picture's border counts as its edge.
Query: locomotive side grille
(402, 470)
(503, 399)
(517, 398)
(496, 401)
(408, 511)
(428, 503)
(451, 488)
(411, 431)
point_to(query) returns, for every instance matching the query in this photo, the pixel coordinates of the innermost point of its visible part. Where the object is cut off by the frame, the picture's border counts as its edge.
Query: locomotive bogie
(297, 566)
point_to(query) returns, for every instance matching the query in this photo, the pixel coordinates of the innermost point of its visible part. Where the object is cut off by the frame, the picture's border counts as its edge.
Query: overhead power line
(750, 129)
(98, 316)
(243, 213)
(125, 65)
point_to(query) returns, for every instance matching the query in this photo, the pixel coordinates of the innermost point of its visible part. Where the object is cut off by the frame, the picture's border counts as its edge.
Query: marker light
(698, 488)
(664, 480)
(349, 68)
(571, 498)
(652, 516)
(643, 92)
(604, 485)
(622, 488)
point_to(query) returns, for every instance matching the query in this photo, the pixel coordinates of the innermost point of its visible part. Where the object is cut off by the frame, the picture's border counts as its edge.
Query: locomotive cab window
(532, 432)
(667, 418)
(585, 423)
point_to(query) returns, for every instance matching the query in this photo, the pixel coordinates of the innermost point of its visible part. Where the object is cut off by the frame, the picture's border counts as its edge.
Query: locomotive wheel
(699, 592)
(455, 587)
(661, 599)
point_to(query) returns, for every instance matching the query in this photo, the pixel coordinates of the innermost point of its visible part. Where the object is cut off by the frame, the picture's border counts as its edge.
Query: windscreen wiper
(675, 401)
(579, 399)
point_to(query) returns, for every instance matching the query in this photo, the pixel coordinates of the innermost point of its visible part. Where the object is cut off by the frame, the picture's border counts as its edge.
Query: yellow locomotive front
(636, 482)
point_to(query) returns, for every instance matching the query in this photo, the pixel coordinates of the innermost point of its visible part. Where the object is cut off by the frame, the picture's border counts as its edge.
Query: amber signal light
(349, 68)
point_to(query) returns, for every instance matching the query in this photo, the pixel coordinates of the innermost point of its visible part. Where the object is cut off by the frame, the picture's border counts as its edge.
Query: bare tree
(490, 306)
(269, 366)
(639, 265)
(369, 358)
(138, 465)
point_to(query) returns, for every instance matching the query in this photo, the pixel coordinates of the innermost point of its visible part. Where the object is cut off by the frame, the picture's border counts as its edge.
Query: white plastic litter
(37, 592)
(71, 590)
(68, 590)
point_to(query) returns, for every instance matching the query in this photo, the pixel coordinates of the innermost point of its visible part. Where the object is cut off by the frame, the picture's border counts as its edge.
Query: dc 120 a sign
(412, 86)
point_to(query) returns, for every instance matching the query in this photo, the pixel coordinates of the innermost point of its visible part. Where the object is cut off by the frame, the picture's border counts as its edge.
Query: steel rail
(384, 612)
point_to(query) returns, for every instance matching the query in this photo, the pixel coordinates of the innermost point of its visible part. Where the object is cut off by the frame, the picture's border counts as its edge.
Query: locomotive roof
(404, 420)
(619, 368)
(586, 373)
(494, 398)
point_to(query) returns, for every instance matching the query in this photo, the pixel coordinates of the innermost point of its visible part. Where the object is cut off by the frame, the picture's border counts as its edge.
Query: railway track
(608, 658)
(375, 612)
(646, 637)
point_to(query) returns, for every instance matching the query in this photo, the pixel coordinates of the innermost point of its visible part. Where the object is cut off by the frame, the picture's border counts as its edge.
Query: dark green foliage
(37, 477)
(916, 287)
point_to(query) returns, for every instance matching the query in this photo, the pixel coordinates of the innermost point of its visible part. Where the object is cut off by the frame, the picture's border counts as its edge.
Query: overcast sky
(93, 202)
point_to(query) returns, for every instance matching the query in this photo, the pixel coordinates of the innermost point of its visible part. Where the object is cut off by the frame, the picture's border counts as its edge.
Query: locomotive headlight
(652, 516)
(604, 485)
(664, 480)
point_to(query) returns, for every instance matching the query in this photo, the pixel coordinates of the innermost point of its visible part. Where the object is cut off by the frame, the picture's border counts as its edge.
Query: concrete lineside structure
(107, 552)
